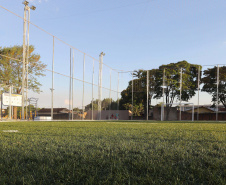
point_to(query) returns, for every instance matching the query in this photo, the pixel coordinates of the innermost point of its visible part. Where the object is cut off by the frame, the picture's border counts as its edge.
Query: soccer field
(112, 153)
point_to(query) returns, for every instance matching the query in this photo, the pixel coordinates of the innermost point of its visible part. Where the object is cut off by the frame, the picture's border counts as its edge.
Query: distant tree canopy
(210, 84)
(106, 104)
(11, 70)
(171, 82)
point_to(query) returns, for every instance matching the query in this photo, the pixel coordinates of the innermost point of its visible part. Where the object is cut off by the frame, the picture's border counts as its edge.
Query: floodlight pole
(100, 83)
(27, 60)
(24, 56)
(25, 52)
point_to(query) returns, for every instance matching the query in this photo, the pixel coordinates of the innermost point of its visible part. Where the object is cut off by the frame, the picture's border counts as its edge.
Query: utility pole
(25, 50)
(100, 84)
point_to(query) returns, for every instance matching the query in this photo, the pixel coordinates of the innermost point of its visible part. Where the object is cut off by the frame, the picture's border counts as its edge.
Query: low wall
(108, 114)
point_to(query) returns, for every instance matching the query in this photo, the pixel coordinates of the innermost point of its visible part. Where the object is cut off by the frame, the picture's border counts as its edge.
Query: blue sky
(134, 34)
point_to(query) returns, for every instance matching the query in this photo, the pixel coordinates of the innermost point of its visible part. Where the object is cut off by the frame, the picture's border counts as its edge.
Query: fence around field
(77, 86)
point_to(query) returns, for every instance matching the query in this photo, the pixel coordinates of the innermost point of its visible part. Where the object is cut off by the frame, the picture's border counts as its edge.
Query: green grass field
(113, 153)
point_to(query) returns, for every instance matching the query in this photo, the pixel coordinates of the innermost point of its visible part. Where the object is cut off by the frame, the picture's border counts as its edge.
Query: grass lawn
(112, 153)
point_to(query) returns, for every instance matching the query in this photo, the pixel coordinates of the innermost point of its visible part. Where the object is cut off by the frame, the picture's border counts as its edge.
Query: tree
(172, 82)
(11, 70)
(139, 91)
(105, 103)
(209, 84)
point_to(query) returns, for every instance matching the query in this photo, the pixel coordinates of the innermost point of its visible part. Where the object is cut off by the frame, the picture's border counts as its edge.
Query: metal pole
(83, 87)
(147, 91)
(109, 97)
(198, 93)
(10, 102)
(70, 89)
(24, 57)
(52, 82)
(163, 94)
(100, 84)
(27, 59)
(118, 96)
(193, 112)
(1, 101)
(132, 97)
(92, 88)
(73, 87)
(180, 90)
(217, 92)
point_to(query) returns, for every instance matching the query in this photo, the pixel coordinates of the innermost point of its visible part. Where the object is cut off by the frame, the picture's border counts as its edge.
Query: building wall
(109, 114)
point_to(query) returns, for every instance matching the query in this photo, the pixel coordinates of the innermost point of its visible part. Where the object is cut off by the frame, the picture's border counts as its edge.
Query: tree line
(166, 80)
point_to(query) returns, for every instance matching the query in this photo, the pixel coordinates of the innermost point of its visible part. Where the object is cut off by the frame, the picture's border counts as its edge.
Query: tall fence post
(147, 91)
(10, 94)
(163, 94)
(72, 102)
(180, 90)
(217, 92)
(109, 97)
(92, 88)
(69, 117)
(118, 98)
(83, 92)
(198, 92)
(132, 97)
(52, 81)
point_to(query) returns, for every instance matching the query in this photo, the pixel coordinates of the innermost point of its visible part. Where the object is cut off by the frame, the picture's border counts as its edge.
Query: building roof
(201, 110)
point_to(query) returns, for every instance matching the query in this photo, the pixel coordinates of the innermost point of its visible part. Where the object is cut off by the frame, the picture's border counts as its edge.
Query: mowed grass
(112, 153)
